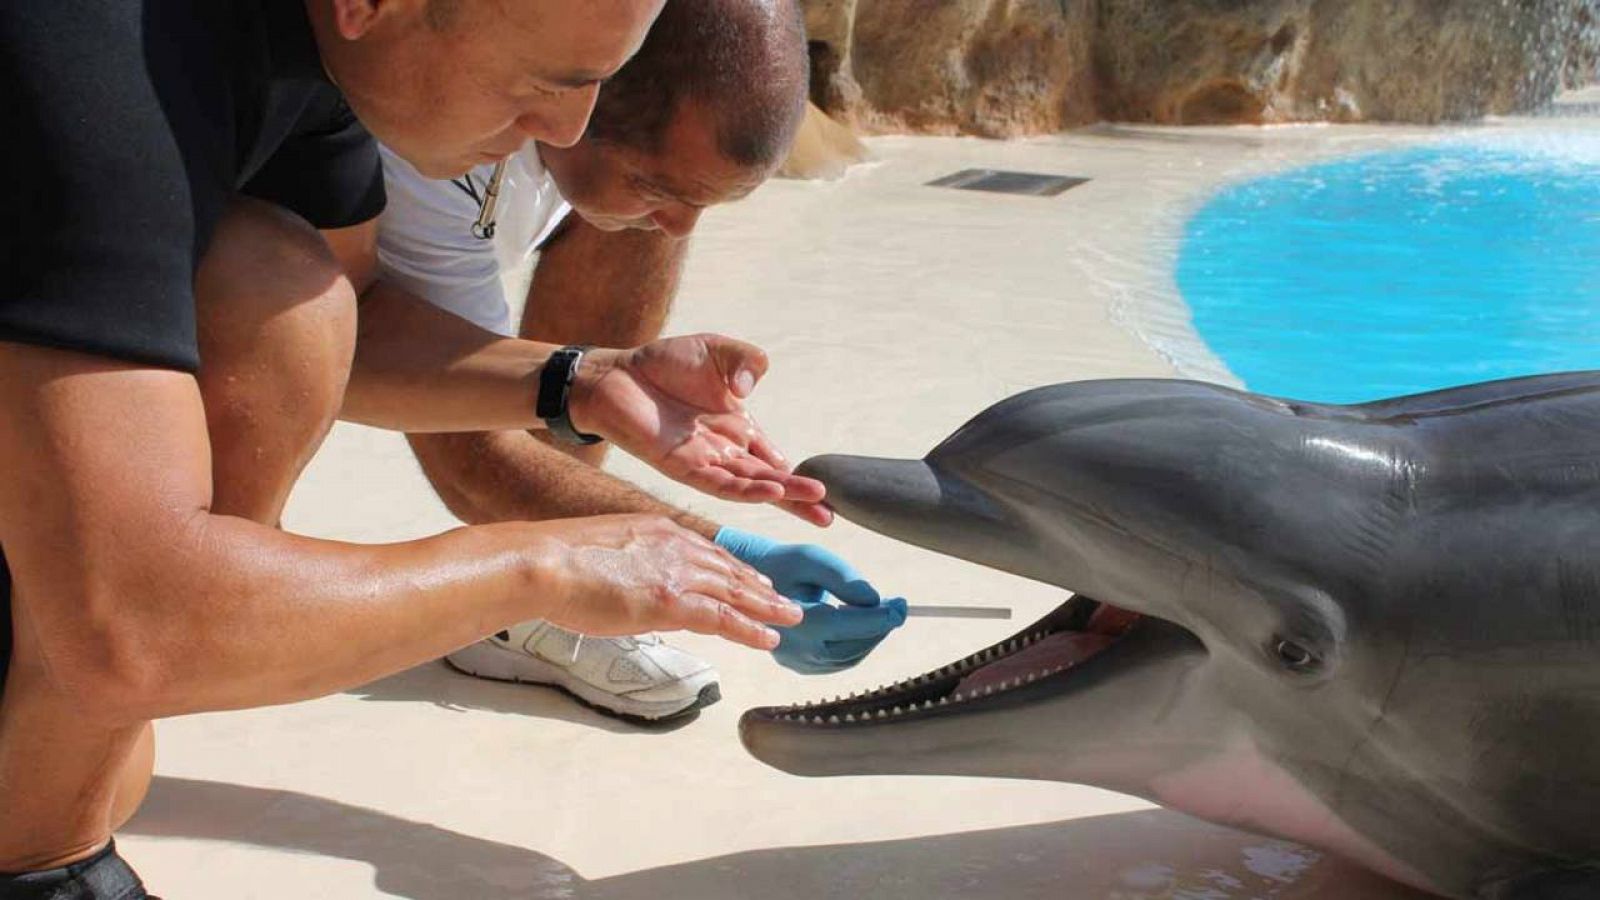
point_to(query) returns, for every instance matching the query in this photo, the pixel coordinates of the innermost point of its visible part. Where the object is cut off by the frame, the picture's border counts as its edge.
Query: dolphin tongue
(1062, 649)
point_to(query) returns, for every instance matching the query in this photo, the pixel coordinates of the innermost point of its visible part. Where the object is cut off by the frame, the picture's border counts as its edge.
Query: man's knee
(277, 321)
(449, 462)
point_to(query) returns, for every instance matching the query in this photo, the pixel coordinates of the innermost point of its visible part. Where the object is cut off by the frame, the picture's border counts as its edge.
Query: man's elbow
(110, 659)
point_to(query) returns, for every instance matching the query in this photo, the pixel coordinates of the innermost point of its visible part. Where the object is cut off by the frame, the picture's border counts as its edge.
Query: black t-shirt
(127, 126)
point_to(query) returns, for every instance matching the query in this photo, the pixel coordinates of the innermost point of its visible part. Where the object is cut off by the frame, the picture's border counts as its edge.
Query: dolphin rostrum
(1372, 629)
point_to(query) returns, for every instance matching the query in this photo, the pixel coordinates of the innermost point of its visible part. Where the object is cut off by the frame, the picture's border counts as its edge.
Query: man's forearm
(419, 368)
(130, 594)
(241, 615)
(509, 476)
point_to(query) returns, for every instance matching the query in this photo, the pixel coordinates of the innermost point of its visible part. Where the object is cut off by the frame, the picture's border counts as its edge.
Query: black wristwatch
(555, 384)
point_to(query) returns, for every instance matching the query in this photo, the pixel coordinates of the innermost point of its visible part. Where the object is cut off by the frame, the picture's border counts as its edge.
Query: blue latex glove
(829, 638)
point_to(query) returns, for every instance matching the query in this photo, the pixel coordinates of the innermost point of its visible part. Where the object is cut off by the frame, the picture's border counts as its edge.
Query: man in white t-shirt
(702, 115)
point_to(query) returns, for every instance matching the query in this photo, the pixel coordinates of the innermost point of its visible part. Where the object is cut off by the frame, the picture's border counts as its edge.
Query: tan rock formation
(822, 148)
(1008, 67)
(990, 67)
(1192, 62)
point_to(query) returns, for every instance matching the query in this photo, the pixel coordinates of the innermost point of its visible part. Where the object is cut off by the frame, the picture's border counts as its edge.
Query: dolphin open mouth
(1042, 655)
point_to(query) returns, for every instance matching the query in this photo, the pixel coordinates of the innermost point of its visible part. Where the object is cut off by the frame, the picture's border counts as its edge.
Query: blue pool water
(1404, 271)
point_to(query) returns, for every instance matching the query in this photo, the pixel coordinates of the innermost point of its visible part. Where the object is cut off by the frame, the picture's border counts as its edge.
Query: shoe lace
(627, 644)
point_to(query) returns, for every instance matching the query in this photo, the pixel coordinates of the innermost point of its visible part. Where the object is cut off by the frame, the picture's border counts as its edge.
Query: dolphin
(1372, 629)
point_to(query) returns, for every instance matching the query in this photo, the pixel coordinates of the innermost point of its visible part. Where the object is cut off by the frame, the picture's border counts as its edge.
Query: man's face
(449, 92)
(614, 187)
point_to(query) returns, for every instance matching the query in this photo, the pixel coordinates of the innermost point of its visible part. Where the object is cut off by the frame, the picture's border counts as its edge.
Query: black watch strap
(555, 386)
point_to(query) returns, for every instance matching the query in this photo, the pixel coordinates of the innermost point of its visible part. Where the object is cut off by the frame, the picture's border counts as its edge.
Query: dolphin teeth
(882, 714)
(816, 720)
(944, 701)
(1032, 676)
(833, 720)
(849, 717)
(958, 697)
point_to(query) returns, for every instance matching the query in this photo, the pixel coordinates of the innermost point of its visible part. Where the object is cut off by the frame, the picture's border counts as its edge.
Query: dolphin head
(1345, 625)
(1206, 598)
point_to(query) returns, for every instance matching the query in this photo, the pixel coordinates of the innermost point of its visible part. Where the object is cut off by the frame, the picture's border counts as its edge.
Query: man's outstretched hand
(678, 404)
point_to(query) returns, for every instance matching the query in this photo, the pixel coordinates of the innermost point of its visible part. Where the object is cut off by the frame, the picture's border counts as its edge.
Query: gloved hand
(829, 638)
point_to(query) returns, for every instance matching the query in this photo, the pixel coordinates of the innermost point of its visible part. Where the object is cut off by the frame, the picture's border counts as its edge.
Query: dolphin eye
(1295, 657)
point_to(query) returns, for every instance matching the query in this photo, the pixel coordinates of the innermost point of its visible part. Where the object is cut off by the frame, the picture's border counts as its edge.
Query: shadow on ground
(1153, 855)
(442, 686)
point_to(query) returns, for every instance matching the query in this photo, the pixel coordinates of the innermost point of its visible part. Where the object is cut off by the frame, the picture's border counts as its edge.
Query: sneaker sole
(493, 663)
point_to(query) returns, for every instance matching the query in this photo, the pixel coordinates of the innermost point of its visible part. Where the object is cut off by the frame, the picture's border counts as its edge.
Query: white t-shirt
(425, 239)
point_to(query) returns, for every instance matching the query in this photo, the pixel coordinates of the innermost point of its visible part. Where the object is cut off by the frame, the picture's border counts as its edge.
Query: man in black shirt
(170, 162)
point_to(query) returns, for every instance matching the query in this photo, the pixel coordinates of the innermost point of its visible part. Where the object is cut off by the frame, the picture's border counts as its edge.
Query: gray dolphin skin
(1372, 629)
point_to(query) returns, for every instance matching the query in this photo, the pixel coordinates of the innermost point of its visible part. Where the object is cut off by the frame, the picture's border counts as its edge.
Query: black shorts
(103, 876)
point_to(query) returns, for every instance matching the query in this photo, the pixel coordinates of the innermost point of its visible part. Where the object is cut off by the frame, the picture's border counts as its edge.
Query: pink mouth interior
(1060, 650)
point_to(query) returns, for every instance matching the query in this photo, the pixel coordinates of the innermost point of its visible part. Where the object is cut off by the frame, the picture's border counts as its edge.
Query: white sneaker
(638, 677)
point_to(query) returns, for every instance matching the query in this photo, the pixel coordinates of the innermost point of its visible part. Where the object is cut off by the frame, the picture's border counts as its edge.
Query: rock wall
(1010, 67)
(822, 148)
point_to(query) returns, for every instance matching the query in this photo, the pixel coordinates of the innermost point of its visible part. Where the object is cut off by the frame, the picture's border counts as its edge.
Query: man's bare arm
(132, 597)
(509, 476)
(421, 369)
(611, 288)
(590, 287)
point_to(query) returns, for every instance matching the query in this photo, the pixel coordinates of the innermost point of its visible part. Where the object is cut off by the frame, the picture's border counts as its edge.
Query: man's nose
(560, 121)
(677, 219)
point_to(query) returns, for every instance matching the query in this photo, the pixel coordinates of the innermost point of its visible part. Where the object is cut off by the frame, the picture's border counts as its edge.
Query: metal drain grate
(1001, 182)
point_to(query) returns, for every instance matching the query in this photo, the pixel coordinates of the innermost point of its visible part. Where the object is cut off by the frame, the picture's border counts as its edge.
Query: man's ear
(354, 18)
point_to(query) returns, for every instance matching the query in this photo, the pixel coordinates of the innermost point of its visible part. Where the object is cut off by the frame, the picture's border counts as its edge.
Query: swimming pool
(1405, 270)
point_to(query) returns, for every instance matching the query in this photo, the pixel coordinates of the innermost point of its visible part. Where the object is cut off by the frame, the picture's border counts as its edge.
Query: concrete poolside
(893, 312)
